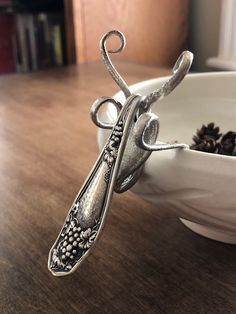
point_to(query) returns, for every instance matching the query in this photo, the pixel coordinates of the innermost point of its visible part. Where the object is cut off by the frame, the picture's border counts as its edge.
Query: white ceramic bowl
(199, 187)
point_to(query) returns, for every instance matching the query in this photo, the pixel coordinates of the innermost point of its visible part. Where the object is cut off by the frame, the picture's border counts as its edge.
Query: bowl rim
(189, 76)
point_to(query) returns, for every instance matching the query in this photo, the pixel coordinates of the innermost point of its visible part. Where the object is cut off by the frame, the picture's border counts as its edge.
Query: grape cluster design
(74, 240)
(118, 132)
(111, 149)
(70, 244)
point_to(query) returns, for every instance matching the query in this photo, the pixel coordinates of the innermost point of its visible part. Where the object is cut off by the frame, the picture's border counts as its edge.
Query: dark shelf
(33, 33)
(29, 6)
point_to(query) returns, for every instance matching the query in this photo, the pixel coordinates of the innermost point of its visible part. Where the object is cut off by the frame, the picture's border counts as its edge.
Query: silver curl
(95, 109)
(180, 69)
(148, 123)
(109, 65)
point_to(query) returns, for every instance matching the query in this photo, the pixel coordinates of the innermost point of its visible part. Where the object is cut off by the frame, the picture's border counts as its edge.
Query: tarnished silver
(110, 67)
(119, 165)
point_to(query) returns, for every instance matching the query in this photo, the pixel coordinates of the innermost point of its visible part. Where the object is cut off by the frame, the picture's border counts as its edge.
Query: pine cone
(228, 144)
(206, 139)
(208, 145)
(210, 131)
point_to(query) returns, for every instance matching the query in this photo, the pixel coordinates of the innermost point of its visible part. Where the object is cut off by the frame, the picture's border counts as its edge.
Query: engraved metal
(119, 165)
(87, 214)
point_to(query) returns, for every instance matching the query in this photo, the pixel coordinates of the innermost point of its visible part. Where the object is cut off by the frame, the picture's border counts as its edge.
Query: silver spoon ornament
(119, 165)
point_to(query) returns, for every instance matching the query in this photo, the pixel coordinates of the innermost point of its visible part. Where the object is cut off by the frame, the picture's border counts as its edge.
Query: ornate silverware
(119, 165)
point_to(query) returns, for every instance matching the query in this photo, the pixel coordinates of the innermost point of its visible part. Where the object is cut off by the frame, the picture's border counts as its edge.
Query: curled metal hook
(97, 105)
(110, 67)
(148, 122)
(180, 69)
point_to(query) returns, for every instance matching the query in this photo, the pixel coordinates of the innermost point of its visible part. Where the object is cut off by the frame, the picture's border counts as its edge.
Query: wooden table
(145, 262)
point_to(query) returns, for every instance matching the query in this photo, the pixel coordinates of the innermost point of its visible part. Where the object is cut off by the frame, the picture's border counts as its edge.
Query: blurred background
(40, 34)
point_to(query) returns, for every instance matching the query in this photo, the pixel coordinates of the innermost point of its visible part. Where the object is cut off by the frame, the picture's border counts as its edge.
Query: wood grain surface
(156, 30)
(145, 262)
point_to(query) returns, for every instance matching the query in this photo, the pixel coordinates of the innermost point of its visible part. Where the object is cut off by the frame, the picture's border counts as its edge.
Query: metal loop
(97, 105)
(180, 69)
(148, 130)
(110, 67)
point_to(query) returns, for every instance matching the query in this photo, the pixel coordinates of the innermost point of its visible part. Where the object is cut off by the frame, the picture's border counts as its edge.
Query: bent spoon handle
(86, 217)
